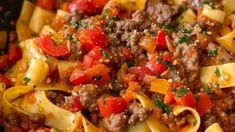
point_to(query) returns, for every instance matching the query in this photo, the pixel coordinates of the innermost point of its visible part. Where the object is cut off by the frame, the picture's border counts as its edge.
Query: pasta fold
(227, 41)
(154, 124)
(214, 128)
(194, 123)
(56, 117)
(37, 72)
(11, 94)
(214, 14)
(221, 75)
(40, 18)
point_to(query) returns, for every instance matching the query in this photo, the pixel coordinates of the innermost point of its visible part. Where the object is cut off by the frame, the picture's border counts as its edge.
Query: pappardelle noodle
(121, 66)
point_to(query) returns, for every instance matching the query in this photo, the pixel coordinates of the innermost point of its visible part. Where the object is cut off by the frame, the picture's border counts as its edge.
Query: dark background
(9, 12)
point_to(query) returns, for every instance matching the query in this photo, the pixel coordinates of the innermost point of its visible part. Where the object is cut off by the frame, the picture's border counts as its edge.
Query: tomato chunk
(203, 104)
(111, 105)
(91, 38)
(87, 6)
(47, 4)
(159, 64)
(87, 62)
(78, 77)
(95, 53)
(98, 74)
(161, 40)
(48, 46)
(140, 72)
(14, 54)
(6, 81)
(73, 103)
(186, 100)
(4, 62)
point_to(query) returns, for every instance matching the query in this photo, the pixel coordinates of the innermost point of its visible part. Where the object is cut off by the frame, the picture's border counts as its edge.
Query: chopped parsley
(217, 72)
(208, 90)
(106, 13)
(152, 33)
(96, 78)
(208, 2)
(104, 54)
(197, 97)
(7, 14)
(130, 63)
(26, 80)
(158, 76)
(188, 31)
(185, 39)
(70, 37)
(168, 64)
(171, 28)
(212, 53)
(182, 91)
(161, 105)
(75, 23)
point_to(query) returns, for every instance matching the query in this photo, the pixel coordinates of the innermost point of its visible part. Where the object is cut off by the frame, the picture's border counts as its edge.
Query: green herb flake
(185, 39)
(104, 54)
(152, 33)
(70, 37)
(188, 31)
(26, 80)
(197, 97)
(171, 28)
(168, 64)
(208, 90)
(96, 78)
(212, 53)
(7, 14)
(217, 72)
(106, 13)
(181, 92)
(174, 90)
(161, 105)
(75, 23)
(158, 76)
(130, 63)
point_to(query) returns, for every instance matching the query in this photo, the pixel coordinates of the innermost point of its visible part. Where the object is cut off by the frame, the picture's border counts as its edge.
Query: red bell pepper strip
(203, 104)
(48, 46)
(47, 4)
(111, 105)
(91, 38)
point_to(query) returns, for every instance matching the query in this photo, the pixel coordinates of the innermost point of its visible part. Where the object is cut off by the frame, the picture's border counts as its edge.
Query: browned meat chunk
(88, 96)
(116, 122)
(138, 113)
(159, 12)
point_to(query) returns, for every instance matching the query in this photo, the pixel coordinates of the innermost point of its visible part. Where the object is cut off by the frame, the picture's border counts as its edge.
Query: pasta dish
(120, 66)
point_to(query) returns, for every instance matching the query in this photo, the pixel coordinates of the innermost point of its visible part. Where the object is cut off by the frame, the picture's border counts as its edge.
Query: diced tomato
(91, 38)
(73, 103)
(87, 62)
(82, 6)
(4, 62)
(47, 4)
(87, 6)
(140, 72)
(169, 98)
(186, 100)
(111, 105)
(78, 77)
(99, 4)
(95, 53)
(48, 46)
(14, 54)
(6, 81)
(203, 104)
(98, 74)
(161, 40)
(158, 64)
(127, 53)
